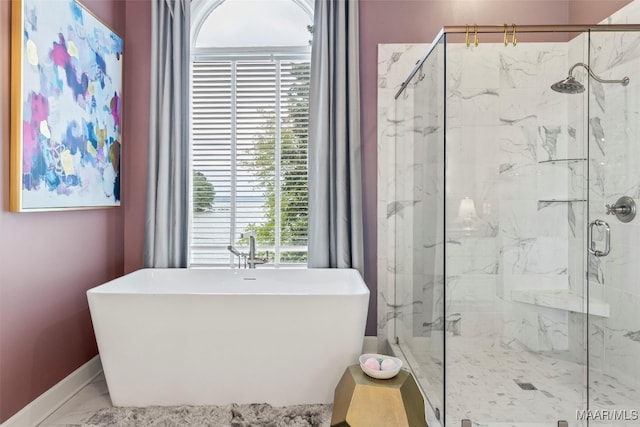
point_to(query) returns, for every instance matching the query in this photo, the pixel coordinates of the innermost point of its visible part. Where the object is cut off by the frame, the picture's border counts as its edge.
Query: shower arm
(624, 81)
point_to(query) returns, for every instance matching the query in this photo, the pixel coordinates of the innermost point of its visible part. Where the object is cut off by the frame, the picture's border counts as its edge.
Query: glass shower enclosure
(517, 298)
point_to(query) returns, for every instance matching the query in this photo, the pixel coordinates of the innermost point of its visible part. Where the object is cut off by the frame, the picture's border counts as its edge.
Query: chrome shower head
(568, 85)
(571, 85)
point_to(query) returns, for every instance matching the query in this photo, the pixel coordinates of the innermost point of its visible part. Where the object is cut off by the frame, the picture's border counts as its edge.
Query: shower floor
(482, 385)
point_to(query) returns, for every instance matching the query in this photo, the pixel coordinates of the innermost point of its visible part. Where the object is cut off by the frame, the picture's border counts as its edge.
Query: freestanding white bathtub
(215, 336)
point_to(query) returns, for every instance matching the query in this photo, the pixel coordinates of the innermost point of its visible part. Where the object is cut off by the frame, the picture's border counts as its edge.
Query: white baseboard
(36, 411)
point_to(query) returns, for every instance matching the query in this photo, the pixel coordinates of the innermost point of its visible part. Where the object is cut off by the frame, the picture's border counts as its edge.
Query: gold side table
(362, 401)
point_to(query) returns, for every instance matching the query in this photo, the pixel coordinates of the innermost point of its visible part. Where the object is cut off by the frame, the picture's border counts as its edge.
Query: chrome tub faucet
(251, 260)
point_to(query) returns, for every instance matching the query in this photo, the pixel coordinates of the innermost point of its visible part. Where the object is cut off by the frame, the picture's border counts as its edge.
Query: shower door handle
(607, 238)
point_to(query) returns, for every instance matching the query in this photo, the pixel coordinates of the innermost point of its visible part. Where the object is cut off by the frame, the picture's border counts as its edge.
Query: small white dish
(381, 375)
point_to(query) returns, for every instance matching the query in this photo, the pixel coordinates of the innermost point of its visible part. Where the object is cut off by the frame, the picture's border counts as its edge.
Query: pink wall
(136, 128)
(590, 12)
(418, 21)
(47, 262)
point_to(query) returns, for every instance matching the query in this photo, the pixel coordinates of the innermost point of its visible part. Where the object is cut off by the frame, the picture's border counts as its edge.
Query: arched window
(250, 98)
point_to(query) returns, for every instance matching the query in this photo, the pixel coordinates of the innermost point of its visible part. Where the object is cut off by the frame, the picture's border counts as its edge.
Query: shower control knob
(615, 209)
(624, 209)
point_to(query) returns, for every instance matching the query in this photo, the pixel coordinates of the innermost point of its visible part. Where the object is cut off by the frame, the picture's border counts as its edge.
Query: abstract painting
(66, 132)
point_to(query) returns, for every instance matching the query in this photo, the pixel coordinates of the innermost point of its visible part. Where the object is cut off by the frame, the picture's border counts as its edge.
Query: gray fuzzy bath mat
(253, 415)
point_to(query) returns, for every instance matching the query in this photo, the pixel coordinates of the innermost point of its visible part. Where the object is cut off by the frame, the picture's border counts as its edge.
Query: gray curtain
(166, 224)
(335, 181)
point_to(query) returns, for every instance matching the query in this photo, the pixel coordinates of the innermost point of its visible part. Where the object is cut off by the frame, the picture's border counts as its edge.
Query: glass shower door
(419, 224)
(614, 234)
(515, 204)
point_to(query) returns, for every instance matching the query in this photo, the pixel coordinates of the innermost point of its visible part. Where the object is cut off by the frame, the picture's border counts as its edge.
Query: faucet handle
(624, 209)
(614, 209)
(241, 256)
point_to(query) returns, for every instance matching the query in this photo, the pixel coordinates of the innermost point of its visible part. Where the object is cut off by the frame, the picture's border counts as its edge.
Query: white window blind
(250, 152)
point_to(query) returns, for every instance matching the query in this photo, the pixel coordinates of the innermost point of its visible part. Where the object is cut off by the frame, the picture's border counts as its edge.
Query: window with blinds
(249, 157)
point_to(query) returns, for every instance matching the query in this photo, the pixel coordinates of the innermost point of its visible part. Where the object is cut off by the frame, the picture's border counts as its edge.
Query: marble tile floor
(482, 386)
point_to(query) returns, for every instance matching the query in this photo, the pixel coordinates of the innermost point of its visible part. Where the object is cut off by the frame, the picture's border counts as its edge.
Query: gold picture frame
(66, 108)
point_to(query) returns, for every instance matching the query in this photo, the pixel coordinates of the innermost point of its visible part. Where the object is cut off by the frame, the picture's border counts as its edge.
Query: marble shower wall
(614, 148)
(507, 144)
(395, 62)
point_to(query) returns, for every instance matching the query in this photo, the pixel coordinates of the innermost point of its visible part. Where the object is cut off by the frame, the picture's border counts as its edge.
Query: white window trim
(204, 54)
